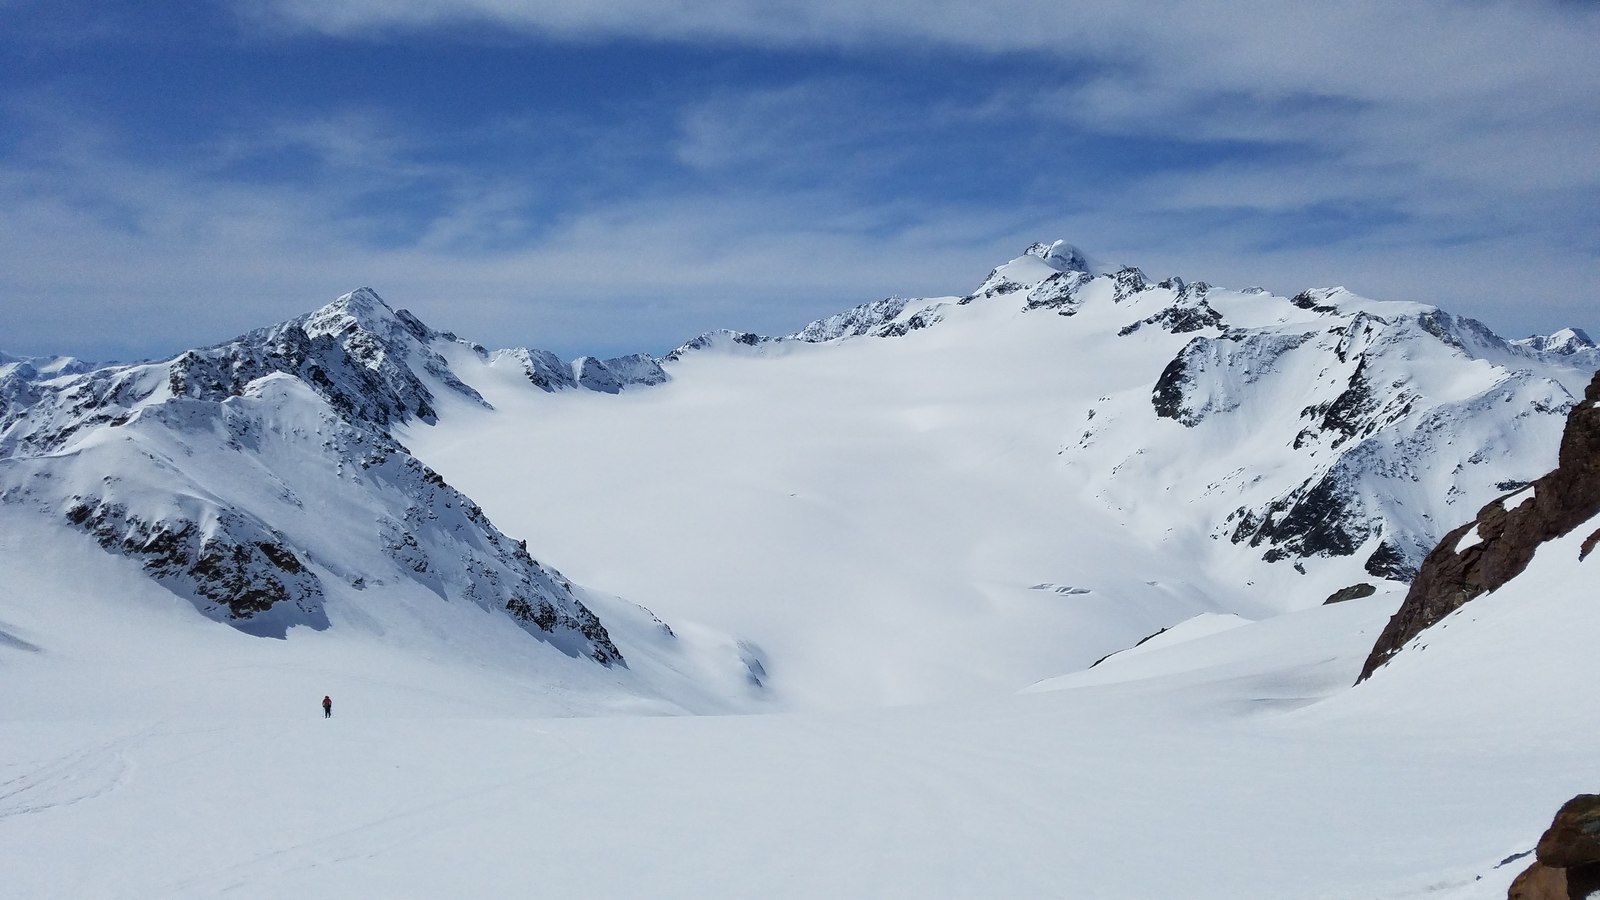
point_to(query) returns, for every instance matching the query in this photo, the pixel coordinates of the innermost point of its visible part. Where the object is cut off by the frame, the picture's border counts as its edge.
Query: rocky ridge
(1391, 414)
(259, 477)
(1494, 548)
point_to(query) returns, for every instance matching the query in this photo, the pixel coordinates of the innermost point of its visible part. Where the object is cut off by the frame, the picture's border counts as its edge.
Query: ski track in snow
(79, 776)
(366, 840)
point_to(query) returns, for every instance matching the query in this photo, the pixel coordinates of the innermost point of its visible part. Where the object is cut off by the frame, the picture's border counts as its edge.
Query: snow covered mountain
(39, 368)
(1340, 425)
(931, 470)
(251, 476)
(1226, 431)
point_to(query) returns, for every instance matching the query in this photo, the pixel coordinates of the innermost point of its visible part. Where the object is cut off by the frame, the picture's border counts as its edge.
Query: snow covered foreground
(1236, 763)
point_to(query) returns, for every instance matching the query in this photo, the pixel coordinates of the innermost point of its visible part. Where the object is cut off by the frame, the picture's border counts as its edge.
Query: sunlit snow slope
(936, 498)
(1219, 764)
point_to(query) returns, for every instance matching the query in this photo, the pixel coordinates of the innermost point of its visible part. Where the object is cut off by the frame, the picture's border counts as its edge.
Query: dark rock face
(610, 376)
(1181, 318)
(1129, 281)
(1359, 411)
(1437, 323)
(550, 373)
(356, 391)
(1186, 390)
(547, 371)
(750, 339)
(597, 376)
(547, 617)
(1389, 561)
(1322, 517)
(1003, 286)
(1567, 342)
(1366, 432)
(1574, 837)
(1353, 592)
(1059, 292)
(1510, 530)
(1568, 855)
(1589, 544)
(880, 319)
(1168, 396)
(235, 570)
(1313, 300)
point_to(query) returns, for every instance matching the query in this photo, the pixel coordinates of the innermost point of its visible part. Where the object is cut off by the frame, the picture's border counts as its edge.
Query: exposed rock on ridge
(234, 570)
(610, 376)
(365, 359)
(1395, 412)
(1484, 554)
(259, 478)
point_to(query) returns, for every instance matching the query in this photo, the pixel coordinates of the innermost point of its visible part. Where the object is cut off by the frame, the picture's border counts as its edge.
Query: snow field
(1234, 763)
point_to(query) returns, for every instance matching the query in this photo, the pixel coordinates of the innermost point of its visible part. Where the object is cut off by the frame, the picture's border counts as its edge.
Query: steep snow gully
(1028, 583)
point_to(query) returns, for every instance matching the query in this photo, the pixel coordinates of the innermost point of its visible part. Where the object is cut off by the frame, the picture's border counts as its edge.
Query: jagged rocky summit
(1497, 546)
(258, 477)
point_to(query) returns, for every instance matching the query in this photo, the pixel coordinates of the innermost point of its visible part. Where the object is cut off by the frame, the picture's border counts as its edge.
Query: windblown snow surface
(1236, 764)
(882, 571)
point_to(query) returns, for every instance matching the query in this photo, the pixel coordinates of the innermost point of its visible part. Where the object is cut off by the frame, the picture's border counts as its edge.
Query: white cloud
(139, 258)
(1466, 133)
(1493, 98)
(1373, 49)
(182, 261)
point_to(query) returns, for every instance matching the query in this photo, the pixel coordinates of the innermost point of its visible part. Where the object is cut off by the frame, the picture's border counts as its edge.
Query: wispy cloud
(202, 256)
(1494, 98)
(1442, 152)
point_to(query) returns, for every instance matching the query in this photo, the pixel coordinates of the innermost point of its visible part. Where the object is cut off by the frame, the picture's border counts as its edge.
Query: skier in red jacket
(327, 707)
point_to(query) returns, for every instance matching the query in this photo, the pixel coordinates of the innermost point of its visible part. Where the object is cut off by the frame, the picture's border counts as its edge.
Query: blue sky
(618, 176)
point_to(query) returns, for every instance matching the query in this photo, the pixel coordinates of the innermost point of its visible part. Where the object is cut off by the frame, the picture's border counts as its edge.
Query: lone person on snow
(327, 707)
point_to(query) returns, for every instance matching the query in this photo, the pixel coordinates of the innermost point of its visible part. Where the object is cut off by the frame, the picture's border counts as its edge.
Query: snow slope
(922, 499)
(1239, 763)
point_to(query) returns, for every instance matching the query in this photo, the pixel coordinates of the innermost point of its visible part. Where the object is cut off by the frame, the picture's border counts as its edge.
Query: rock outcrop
(260, 479)
(1567, 860)
(1488, 552)
(230, 566)
(1353, 592)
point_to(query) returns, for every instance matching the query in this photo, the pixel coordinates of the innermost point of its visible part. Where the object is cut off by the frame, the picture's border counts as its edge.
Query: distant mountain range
(265, 478)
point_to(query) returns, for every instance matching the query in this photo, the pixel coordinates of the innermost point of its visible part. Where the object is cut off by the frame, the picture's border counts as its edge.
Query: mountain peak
(362, 306)
(363, 310)
(1061, 256)
(1566, 341)
(40, 368)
